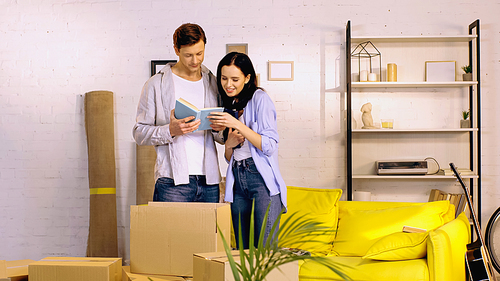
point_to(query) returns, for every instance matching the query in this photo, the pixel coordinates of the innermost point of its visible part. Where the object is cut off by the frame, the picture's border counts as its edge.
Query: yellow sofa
(369, 243)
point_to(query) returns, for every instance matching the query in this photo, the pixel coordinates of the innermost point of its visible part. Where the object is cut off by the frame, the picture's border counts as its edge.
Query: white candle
(372, 77)
(362, 196)
(363, 76)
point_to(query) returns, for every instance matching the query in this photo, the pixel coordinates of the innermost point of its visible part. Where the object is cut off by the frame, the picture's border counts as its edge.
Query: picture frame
(157, 65)
(237, 47)
(440, 71)
(280, 71)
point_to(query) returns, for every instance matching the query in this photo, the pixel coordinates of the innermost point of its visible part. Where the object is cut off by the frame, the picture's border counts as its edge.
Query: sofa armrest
(446, 248)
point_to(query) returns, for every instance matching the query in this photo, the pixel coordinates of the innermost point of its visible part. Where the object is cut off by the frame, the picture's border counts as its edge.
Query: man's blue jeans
(249, 186)
(196, 191)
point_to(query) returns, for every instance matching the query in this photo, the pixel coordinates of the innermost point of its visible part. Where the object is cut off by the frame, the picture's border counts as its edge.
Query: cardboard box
(164, 236)
(14, 270)
(128, 276)
(3, 270)
(215, 267)
(76, 269)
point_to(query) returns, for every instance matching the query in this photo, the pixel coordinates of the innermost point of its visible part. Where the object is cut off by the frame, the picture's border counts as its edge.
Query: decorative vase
(465, 123)
(467, 76)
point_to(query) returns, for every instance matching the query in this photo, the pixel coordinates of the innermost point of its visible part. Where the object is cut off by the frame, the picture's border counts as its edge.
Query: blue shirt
(260, 116)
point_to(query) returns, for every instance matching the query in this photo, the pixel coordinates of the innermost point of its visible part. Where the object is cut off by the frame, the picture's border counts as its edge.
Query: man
(187, 168)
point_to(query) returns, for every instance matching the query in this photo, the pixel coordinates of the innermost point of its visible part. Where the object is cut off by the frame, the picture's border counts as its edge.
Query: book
(449, 172)
(458, 200)
(434, 195)
(411, 229)
(185, 109)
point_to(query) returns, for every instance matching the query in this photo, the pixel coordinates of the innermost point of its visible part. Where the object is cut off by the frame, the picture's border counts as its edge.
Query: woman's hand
(223, 120)
(234, 138)
(227, 120)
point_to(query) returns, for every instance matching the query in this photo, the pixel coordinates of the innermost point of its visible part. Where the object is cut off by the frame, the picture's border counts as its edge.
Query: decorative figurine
(366, 117)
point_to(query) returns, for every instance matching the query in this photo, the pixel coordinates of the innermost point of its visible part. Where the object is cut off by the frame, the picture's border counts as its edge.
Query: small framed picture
(157, 65)
(240, 48)
(280, 71)
(440, 71)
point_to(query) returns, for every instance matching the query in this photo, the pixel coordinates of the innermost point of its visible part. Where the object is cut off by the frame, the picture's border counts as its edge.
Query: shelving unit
(467, 141)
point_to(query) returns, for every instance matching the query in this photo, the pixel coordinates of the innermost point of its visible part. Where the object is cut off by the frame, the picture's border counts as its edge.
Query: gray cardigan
(152, 127)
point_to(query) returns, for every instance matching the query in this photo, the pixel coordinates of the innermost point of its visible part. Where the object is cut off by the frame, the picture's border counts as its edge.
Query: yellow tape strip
(102, 190)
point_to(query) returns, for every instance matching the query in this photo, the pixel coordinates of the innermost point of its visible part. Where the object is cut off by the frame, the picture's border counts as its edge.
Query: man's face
(191, 57)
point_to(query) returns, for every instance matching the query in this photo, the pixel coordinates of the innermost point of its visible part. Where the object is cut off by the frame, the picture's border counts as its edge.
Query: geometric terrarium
(366, 53)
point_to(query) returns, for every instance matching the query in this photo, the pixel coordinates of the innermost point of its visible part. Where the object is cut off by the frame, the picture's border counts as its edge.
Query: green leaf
(230, 257)
(465, 114)
(257, 262)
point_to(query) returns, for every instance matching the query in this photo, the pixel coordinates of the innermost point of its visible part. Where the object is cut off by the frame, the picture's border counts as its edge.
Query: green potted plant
(465, 122)
(256, 263)
(467, 76)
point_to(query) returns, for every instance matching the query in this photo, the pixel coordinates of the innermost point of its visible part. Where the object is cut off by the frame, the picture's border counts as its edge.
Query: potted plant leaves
(465, 122)
(255, 263)
(467, 76)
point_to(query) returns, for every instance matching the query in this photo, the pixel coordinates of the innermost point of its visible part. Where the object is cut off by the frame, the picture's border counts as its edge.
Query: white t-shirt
(193, 92)
(244, 151)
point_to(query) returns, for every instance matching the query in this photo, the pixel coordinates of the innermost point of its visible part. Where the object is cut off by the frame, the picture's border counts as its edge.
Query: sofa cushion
(399, 246)
(368, 270)
(319, 204)
(359, 228)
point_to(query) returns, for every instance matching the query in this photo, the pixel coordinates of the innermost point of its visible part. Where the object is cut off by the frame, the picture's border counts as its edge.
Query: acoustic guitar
(477, 256)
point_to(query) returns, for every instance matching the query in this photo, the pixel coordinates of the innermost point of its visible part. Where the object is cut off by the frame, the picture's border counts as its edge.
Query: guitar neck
(469, 203)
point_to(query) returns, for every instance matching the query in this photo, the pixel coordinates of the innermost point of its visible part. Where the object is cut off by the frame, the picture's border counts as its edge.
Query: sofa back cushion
(319, 204)
(361, 224)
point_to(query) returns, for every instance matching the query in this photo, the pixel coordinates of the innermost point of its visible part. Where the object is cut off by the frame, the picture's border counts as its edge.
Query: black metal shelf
(474, 101)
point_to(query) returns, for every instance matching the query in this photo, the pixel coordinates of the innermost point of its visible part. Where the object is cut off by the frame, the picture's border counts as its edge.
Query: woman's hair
(188, 34)
(244, 63)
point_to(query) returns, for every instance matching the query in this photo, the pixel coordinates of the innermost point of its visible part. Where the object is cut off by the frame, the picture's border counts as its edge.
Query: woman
(253, 172)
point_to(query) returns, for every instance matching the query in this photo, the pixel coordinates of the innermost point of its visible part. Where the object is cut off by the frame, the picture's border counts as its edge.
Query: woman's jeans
(249, 186)
(196, 191)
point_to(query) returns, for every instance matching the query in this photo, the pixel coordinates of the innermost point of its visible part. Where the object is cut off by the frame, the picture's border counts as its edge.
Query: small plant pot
(465, 123)
(467, 76)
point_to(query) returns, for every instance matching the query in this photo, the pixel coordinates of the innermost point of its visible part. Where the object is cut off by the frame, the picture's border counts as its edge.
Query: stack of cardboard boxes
(164, 236)
(181, 241)
(168, 241)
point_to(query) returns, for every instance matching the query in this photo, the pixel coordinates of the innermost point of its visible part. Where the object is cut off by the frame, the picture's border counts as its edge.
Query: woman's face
(233, 80)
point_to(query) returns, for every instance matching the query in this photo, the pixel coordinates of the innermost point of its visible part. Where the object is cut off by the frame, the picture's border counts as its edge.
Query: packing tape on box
(102, 190)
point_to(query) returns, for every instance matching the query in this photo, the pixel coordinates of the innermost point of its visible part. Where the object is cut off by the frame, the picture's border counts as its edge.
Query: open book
(185, 109)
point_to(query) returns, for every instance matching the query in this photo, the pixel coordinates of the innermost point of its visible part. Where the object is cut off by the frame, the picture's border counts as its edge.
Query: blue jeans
(196, 191)
(249, 186)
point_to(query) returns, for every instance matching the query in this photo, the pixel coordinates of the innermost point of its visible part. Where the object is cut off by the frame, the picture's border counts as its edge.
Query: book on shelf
(185, 109)
(457, 199)
(449, 172)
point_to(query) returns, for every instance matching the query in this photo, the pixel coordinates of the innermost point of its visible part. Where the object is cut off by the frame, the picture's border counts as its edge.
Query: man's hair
(188, 34)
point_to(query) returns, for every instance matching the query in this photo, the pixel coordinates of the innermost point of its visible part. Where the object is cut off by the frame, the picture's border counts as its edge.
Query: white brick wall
(52, 53)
